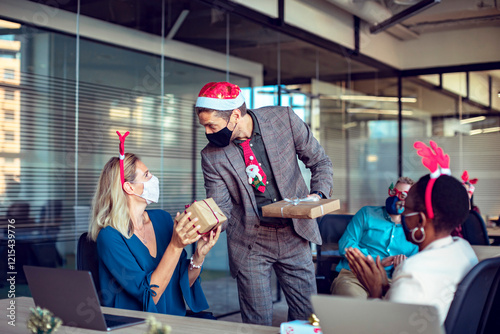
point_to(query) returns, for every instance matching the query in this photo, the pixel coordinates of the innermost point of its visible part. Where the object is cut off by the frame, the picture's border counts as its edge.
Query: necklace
(143, 237)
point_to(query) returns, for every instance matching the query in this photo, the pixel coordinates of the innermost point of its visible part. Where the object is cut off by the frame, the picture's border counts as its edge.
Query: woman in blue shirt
(142, 262)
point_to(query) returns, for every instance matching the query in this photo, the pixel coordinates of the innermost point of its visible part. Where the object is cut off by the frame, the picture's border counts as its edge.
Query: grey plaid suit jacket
(285, 137)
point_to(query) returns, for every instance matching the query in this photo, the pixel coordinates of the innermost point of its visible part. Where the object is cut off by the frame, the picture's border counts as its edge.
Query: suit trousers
(290, 256)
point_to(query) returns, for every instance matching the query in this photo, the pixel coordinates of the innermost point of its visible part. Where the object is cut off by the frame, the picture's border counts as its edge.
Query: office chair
(51, 214)
(474, 229)
(474, 299)
(331, 228)
(88, 259)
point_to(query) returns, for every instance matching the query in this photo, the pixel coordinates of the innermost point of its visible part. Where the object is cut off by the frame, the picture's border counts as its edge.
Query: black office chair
(331, 228)
(474, 229)
(88, 259)
(474, 298)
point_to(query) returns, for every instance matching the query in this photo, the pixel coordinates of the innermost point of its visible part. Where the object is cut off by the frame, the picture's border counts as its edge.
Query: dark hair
(450, 201)
(224, 114)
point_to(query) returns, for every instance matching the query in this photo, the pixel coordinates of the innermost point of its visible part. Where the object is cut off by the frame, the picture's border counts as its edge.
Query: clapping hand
(388, 261)
(369, 272)
(398, 259)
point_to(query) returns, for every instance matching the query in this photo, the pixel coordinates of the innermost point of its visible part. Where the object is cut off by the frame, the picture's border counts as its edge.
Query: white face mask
(151, 192)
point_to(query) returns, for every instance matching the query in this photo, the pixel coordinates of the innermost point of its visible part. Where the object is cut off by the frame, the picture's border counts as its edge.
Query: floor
(280, 311)
(222, 296)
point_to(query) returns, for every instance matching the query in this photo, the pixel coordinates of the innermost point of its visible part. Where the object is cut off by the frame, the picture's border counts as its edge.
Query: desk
(180, 325)
(486, 252)
(494, 233)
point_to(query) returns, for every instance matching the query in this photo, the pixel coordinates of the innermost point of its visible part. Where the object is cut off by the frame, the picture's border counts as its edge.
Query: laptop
(71, 296)
(351, 315)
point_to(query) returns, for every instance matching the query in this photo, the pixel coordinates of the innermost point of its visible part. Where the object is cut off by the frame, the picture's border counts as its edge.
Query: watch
(319, 193)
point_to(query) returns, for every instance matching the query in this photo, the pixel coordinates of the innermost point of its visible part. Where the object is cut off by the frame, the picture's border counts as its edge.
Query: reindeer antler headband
(465, 180)
(122, 154)
(432, 158)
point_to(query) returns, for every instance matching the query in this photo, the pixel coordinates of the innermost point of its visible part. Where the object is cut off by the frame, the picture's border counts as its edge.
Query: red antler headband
(431, 160)
(465, 180)
(122, 154)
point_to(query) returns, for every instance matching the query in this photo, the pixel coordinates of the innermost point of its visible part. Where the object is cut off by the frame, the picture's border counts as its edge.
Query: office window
(466, 129)
(9, 136)
(8, 115)
(9, 93)
(8, 74)
(42, 137)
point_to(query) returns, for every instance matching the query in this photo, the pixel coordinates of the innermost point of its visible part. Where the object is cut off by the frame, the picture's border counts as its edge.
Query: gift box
(299, 327)
(300, 208)
(209, 215)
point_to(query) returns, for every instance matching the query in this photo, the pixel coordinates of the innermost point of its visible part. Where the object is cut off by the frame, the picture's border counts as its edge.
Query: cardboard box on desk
(309, 209)
(208, 213)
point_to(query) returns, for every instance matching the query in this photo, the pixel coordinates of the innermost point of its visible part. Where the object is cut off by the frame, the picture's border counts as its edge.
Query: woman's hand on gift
(185, 231)
(207, 241)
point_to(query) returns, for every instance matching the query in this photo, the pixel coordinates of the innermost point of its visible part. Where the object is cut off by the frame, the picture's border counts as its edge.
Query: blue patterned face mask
(151, 192)
(394, 206)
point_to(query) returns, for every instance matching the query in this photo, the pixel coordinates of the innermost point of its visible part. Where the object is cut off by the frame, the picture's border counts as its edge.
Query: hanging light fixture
(405, 2)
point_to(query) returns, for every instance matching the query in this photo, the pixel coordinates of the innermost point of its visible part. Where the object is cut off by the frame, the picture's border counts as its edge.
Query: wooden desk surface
(486, 252)
(180, 325)
(493, 231)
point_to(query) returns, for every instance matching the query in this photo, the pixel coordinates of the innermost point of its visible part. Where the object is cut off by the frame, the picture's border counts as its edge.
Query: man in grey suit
(251, 161)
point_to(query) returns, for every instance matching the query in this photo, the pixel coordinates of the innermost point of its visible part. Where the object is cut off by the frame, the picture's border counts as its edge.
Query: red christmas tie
(256, 176)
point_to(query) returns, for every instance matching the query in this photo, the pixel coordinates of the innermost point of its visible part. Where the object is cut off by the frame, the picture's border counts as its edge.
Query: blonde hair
(109, 205)
(405, 179)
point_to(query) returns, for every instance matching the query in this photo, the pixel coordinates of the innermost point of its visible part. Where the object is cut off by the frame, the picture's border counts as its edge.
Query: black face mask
(221, 138)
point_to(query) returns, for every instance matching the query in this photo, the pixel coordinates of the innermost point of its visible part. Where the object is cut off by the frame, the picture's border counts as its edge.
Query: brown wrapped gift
(287, 209)
(208, 213)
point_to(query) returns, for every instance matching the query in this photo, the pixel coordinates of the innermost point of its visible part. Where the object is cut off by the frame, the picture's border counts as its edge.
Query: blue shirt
(373, 232)
(125, 268)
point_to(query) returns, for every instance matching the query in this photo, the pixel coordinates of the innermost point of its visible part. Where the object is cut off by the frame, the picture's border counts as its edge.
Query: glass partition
(462, 116)
(60, 114)
(359, 129)
(63, 96)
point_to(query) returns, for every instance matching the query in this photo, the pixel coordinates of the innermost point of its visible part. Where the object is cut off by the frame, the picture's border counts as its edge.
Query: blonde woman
(142, 261)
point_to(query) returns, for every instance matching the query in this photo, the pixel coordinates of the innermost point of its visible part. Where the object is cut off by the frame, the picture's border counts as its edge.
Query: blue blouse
(125, 268)
(372, 231)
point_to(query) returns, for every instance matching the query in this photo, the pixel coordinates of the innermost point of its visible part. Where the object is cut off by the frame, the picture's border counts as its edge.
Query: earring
(413, 235)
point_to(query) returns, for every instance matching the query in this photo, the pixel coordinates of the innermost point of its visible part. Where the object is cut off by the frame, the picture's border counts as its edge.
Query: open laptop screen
(351, 315)
(71, 296)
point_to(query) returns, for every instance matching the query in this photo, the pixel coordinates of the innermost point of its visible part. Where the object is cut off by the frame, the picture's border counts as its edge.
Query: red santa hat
(220, 96)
